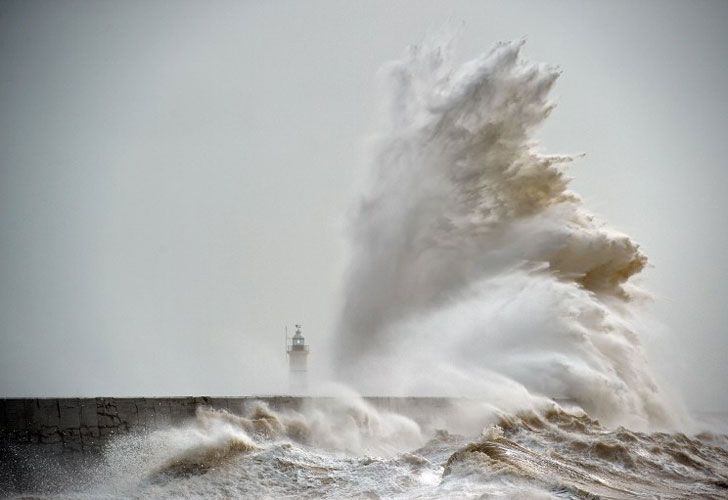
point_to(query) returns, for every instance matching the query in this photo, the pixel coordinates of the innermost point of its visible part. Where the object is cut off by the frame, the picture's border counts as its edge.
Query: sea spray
(343, 447)
(475, 270)
(173, 461)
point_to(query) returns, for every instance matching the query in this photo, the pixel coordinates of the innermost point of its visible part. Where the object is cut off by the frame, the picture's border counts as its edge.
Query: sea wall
(67, 425)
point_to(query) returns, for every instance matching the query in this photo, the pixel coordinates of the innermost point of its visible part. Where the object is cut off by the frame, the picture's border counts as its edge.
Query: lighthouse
(298, 363)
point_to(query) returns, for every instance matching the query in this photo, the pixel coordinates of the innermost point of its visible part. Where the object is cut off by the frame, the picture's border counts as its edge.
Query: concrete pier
(63, 425)
(45, 442)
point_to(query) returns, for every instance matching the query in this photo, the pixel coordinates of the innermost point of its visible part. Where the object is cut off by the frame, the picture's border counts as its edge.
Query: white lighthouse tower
(298, 363)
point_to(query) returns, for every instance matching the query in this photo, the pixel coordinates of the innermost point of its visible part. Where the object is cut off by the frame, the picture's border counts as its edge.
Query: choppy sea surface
(351, 450)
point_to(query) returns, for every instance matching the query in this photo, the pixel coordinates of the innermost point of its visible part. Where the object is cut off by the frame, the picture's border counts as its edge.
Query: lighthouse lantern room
(297, 362)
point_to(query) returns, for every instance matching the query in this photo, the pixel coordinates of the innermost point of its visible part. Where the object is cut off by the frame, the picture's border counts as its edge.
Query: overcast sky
(175, 177)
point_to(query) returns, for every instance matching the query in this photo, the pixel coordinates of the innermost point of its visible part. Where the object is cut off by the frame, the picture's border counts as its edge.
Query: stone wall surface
(48, 444)
(83, 424)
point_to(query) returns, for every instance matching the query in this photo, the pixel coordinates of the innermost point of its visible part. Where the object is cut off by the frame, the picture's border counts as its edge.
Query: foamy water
(475, 266)
(344, 448)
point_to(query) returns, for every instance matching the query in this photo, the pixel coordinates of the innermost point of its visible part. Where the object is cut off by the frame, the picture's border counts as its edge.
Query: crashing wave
(573, 454)
(474, 266)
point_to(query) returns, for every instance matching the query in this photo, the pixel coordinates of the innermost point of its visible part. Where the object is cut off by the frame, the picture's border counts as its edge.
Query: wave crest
(559, 451)
(473, 262)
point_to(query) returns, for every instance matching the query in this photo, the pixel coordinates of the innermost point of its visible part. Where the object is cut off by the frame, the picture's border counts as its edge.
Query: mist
(178, 183)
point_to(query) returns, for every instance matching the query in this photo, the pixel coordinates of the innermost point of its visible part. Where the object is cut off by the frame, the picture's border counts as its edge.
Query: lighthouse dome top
(298, 343)
(298, 333)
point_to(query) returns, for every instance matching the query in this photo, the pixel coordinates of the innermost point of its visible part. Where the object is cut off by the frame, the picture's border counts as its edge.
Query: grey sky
(175, 176)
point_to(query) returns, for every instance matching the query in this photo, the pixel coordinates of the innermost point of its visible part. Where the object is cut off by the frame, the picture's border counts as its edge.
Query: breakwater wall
(49, 445)
(68, 425)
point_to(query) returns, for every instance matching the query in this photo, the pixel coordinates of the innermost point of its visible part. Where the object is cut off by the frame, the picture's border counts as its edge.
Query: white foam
(475, 270)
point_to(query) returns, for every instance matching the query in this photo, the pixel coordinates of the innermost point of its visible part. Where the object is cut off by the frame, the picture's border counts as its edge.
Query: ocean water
(477, 274)
(345, 448)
